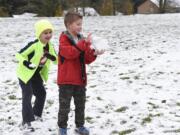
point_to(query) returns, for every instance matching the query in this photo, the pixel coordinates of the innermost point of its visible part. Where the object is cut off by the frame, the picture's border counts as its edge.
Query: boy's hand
(29, 65)
(89, 38)
(49, 56)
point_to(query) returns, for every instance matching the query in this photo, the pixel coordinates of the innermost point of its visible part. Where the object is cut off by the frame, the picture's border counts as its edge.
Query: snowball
(99, 44)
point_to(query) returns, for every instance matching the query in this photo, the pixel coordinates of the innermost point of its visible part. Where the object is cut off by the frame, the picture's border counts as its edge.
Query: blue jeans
(33, 87)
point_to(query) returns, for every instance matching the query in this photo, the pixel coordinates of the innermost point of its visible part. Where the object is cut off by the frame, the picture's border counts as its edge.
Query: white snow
(89, 11)
(155, 2)
(25, 15)
(174, 3)
(177, 2)
(134, 86)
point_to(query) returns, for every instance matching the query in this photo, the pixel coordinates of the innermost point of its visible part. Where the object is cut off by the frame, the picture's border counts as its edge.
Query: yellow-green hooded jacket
(33, 52)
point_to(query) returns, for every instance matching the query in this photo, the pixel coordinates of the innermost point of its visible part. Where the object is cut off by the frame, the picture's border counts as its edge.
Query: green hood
(42, 25)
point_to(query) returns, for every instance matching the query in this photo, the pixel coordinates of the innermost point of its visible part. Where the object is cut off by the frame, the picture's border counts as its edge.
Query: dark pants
(33, 87)
(66, 92)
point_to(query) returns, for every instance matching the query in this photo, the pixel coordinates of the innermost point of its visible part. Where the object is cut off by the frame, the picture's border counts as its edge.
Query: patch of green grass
(7, 81)
(99, 98)
(136, 77)
(3, 98)
(92, 86)
(163, 101)
(147, 119)
(134, 103)
(129, 81)
(121, 109)
(123, 122)
(160, 72)
(102, 112)
(89, 119)
(11, 122)
(158, 115)
(178, 103)
(159, 87)
(18, 35)
(125, 78)
(109, 107)
(115, 132)
(104, 71)
(2, 119)
(93, 72)
(153, 105)
(128, 131)
(172, 131)
(121, 73)
(50, 102)
(12, 97)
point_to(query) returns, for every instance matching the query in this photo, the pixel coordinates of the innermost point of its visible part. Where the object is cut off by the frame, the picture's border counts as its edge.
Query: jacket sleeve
(67, 50)
(23, 53)
(89, 55)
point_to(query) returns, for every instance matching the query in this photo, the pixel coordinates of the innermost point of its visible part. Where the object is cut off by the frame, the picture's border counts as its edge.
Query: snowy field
(134, 88)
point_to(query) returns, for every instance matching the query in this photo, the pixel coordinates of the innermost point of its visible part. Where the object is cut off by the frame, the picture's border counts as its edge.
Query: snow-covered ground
(133, 88)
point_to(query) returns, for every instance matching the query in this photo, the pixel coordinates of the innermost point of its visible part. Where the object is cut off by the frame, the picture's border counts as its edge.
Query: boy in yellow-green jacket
(34, 62)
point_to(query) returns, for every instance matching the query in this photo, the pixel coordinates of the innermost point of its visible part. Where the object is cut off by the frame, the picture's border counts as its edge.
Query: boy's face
(75, 27)
(45, 36)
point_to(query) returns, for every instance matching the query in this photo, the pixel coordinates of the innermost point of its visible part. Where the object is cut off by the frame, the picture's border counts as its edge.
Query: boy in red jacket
(74, 53)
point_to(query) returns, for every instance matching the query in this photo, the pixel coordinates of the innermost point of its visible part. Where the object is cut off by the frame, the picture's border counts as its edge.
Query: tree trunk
(114, 7)
(162, 5)
(83, 7)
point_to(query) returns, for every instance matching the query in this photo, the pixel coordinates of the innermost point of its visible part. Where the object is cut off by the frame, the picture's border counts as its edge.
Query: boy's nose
(49, 35)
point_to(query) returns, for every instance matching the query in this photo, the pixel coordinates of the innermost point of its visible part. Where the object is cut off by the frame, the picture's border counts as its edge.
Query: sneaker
(37, 118)
(26, 126)
(62, 131)
(82, 130)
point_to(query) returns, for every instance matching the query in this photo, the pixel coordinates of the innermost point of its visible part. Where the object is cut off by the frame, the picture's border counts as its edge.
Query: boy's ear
(68, 25)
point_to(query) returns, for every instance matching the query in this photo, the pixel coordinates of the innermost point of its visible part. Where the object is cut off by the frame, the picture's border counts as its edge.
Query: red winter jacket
(69, 71)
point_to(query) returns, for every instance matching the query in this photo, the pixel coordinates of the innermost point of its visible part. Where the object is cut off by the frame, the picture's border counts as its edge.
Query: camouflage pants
(66, 92)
